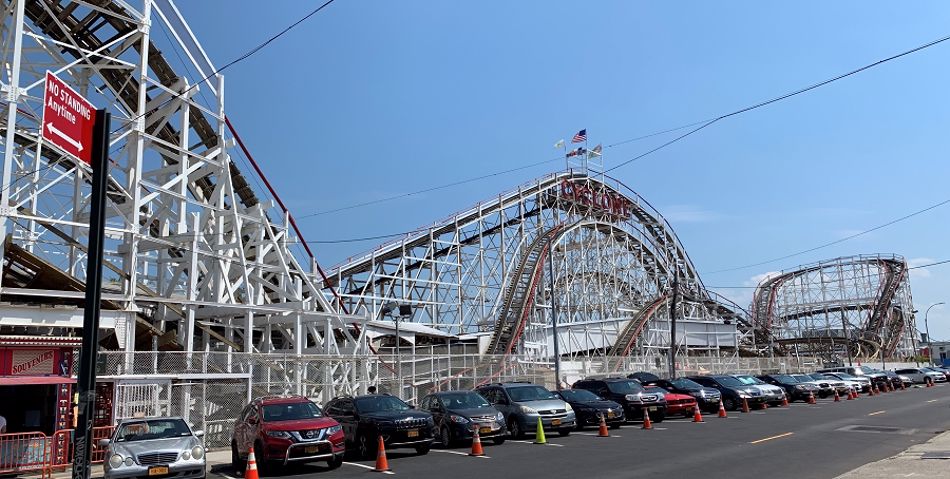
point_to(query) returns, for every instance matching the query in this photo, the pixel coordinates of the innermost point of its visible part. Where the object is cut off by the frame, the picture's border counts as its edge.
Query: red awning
(34, 380)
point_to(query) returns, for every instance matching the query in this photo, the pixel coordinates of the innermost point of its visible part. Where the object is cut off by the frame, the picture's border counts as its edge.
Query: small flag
(576, 152)
(596, 151)
(559, 144)
(580, 137)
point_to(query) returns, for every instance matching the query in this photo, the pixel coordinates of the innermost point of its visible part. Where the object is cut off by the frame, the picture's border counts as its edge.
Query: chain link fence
(209, 389)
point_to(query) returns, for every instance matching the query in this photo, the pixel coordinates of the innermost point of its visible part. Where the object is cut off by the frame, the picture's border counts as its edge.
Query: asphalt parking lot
(801, 441)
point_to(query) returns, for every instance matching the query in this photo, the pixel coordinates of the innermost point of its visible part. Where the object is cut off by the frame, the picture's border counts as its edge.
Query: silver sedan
(154, 448)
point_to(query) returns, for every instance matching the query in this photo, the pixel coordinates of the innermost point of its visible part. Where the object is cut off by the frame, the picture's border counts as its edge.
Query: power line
(930, 264)
(785, 96)
(831, 243)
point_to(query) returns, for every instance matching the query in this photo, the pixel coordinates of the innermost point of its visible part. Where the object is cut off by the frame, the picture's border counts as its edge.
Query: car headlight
(800, 387)
(702, 393)
(279, 434)
(185, 455)
(904, 378)
(500, 417)
(116, 461)
(197, 452)
(528, 410)
(568, 407)
(743, 395)
(458, 419)
(129, 461)
(632, 397)
(334, 429)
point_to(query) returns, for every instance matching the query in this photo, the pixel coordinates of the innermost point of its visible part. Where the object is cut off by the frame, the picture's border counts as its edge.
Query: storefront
(36, 387)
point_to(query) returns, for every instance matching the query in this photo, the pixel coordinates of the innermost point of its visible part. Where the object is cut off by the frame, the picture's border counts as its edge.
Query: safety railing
(61, 446)
(35, 452)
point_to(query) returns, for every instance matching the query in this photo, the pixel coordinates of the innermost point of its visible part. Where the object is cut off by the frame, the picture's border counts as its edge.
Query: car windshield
(729, 381)
(845, 376)
(683, 383)
(463, 400)
(530, 393)
(152, 429)
(579, 395)
(624, 387)
(867, 370)
(818, 376)
(785, 379)
(291, 411)
(380, 404)
(749, 380)
(801, 377)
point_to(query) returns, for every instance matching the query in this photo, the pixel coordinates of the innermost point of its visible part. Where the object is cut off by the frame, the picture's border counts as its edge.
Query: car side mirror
(199, 433)
(104, 443)
(252, 420)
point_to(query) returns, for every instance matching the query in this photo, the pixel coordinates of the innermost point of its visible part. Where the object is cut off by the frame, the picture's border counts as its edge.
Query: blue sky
(369, 99)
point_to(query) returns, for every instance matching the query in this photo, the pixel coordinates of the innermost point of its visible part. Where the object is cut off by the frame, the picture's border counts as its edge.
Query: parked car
(284, 429)
(589, 407)
(897, 380)
(774, 394)
(876, 376)
(825, 389)
(457, 414)
(645, 378)
(862, 383)
(707, 398)
(922, 375)
(935, 369)
(366, 418)
(676, 403)
(795, 389)
(732, 390)
(629, 393)
(836, 384)
(522, 403)
(158, 446)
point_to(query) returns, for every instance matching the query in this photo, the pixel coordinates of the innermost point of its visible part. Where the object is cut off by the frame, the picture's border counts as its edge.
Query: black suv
(794, 389)
(628, 393)
(365, 418)
(458, 414)
(706, 398)
(733, 391)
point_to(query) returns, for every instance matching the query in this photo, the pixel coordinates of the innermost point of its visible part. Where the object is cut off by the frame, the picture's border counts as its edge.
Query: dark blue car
(458, 414)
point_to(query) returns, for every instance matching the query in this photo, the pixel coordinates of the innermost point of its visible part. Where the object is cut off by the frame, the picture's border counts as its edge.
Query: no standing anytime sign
(68, 119)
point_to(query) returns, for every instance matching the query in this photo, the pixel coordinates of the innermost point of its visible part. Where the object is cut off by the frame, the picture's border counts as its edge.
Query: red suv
(286, 429)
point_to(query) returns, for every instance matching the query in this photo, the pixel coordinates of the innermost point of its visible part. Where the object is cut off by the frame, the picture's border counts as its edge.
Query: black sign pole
(86, 386)
(673, 303)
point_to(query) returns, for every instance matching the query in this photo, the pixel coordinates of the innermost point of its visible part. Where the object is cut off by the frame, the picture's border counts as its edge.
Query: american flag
(580, 137)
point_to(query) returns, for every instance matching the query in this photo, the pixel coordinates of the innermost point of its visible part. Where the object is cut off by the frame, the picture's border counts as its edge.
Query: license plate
(484, 430)
(158, 470)
(412, 433)
(611, 415)
(555, 422)
(651, 408)
(311, 449)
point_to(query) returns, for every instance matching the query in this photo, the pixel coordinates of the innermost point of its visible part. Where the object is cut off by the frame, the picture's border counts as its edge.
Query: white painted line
(875, 413)
(364, 466)
(594, 435)
(772, 437)
(933, 400)
(225, 475)
(457, 453)
(533, 443)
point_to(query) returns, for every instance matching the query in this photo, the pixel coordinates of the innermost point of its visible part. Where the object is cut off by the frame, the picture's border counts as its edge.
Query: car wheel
(236, 462)
(336, 462)
(262, 466)
(729, 404)
(445, 437)
(423, 449)
(365, 447)
(564, 432)
(498, 441)
(658, 417)
(515, 429)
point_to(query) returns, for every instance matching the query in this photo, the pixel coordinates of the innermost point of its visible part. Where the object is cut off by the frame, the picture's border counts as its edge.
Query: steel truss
(196, 259)
(487, 271)
(860, 302)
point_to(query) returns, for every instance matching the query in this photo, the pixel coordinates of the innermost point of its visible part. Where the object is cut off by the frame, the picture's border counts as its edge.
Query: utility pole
(673, 304)
(557, 349)
(847, 336)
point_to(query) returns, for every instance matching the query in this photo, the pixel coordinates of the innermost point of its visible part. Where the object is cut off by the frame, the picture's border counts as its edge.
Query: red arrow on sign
(68, 119)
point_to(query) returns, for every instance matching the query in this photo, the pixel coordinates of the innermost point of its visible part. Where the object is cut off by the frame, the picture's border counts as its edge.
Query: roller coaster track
(628, 337)
(520, 293)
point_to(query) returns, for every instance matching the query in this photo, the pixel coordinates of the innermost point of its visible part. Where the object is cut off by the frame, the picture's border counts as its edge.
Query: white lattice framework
(196, 259)
(613, 255)
(862, 302)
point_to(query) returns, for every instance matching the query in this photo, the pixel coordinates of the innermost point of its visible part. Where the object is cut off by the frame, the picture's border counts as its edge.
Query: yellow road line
(773, 437)
(875, 413)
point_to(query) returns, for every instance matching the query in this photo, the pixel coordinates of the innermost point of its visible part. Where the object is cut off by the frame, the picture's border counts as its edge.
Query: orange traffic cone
(903, 388)
(382, 464)
(811, 398)
(697, 416)
(647, 423)
(745, 405)
(837, 397)
(251, 471)
(871, 391)
(765, 405)
(785, 401)
(603, 432)
(476, 445)
(875, 391)
(851, 394)
(722, 409)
